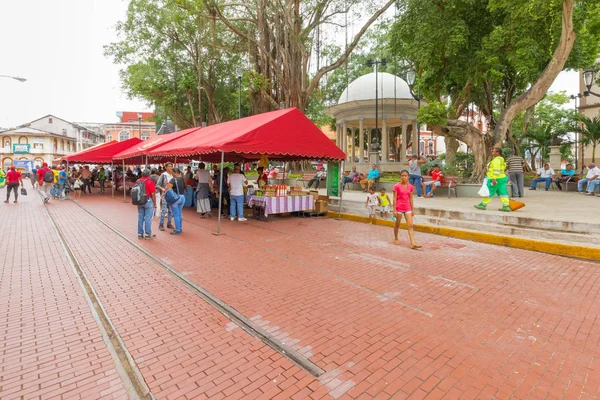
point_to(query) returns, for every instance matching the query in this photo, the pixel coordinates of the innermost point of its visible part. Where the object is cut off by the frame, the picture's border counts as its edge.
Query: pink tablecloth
(278, 205)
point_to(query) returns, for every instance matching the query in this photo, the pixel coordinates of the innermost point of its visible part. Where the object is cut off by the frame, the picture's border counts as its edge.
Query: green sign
(333, 179)
(20, 148)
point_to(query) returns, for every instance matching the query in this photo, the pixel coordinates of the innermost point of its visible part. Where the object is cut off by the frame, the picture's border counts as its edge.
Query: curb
(559, 249)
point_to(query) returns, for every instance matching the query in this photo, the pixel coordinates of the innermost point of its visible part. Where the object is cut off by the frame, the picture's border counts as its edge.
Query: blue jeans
(416, 181)
(145, 218)
(177, 209)
(61, 189)
(538, 180)
(236, 204)
(165, 208)
(591, 185)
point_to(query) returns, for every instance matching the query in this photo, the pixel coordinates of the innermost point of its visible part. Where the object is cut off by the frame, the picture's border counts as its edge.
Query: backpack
(49, 177)
(138, 193)
(170, 196)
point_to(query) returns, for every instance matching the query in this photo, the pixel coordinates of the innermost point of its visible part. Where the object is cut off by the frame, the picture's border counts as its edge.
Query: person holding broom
(496, 181)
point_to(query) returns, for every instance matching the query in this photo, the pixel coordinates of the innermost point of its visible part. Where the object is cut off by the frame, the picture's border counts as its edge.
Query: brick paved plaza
(456, 320)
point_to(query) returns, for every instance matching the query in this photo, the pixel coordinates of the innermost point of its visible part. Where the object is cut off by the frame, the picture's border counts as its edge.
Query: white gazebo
(356, 110)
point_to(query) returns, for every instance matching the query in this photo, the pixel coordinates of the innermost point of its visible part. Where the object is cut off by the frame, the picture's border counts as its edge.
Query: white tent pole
(220, 193)
(124, 187)
(113, 175)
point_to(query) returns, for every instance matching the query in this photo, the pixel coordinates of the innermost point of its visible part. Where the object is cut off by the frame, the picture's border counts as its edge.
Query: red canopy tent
(64, 159)
(102, 154)
(285, 135)
(138, 154)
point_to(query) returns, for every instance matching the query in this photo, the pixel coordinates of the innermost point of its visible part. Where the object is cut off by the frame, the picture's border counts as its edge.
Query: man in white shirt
(545, 174)
(592, 179)
(236, 182)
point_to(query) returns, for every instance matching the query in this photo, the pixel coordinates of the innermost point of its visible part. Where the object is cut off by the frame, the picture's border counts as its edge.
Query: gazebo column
(345, 138)
(415, 138)
(338, 135)
(353, 145)
(404, 144)
(369, 139)
(361, 141)
(385, 142)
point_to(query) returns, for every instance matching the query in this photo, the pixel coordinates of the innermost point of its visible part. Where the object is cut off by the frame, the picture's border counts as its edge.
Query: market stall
(283, 135)
(280, 199)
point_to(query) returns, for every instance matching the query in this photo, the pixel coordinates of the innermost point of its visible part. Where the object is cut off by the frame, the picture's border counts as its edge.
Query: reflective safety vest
(496, 168)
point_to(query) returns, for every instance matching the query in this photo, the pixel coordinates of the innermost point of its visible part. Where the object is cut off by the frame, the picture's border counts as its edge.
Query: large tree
(501, 55)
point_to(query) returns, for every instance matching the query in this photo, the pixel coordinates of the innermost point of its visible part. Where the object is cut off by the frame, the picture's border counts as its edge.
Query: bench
(307, 177)
(448, 182)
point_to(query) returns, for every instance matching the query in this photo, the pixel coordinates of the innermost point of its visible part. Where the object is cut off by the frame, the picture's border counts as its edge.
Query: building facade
(29, 144)
(130, 125)
(590, 107)
(83, 136)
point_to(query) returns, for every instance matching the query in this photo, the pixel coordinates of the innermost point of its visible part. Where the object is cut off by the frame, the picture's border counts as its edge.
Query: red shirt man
(150, 187)
(41, 172)
(436, 180)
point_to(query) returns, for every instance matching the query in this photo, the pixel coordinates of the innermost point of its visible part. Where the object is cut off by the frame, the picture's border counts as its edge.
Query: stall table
(281, 204)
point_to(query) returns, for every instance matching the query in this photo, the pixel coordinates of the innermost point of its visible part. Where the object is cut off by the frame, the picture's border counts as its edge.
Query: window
(123, 135)
(38, 146)
(38, 161)
(7, 142)
(49, 120)
(62, 144)
(22, 140)
(430, 150)
(64, 132)
(108, 137)
(145, 136)
(55, 145)
(6, 163)
(421, 147)
(68, 146)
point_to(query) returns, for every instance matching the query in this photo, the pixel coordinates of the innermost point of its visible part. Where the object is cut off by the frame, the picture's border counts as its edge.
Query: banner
(333, 179)
(21, 148)
(23, 165)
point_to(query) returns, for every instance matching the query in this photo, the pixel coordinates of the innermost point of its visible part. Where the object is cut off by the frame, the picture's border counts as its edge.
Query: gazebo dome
(363, 88)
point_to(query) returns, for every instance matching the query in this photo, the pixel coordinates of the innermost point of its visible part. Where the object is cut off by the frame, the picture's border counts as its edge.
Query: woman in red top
(403, 205)
(13, 177)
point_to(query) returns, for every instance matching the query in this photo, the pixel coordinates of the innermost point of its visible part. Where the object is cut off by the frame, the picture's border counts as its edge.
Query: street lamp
(376, 63)
(575, 97)
(411, 77)
(588, 80)
(17, 78)
(139, 115)
(239, 76)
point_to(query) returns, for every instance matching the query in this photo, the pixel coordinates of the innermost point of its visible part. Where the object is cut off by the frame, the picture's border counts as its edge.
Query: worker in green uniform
(497, 181)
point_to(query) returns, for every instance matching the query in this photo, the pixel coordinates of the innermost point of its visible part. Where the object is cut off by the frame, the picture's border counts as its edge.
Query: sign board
(333, 179)
(21, 148)
(23, 165)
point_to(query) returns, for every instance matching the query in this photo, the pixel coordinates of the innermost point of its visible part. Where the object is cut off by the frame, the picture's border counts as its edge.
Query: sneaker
(505, 208)
(589, 194)
(150, 236)
(161, 228)
(547, 190)
(481, 206)
(169, 226)
(46, 200)
(232, 218)
(531, 188)
(140, 236)
(242, 219)
(176, 233)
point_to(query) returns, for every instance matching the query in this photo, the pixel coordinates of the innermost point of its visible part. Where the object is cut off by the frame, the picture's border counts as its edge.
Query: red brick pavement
(458, 319)
(50, 345)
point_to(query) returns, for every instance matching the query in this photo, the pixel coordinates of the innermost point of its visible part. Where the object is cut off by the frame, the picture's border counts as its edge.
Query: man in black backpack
(146, 211)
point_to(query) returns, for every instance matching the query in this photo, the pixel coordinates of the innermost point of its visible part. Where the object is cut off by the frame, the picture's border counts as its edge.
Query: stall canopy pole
(124, 188)
(341, 186)
(220, 194)
(113, 175)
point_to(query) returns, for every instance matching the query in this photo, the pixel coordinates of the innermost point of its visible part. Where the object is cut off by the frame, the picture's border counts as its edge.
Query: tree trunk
(452, 147)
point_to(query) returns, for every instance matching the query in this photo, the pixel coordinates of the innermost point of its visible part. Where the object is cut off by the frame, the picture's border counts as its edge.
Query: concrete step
(472, 224)
(490, 217)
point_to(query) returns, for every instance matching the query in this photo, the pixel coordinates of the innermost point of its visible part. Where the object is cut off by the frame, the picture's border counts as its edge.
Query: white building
(83, 136)
(35, 145)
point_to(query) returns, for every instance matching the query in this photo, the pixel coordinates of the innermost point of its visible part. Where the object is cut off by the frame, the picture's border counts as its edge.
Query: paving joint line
(231, 313)
(132, 378)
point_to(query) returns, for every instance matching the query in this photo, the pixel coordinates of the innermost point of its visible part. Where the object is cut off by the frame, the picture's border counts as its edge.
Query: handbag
(484, 191)
(23, 191)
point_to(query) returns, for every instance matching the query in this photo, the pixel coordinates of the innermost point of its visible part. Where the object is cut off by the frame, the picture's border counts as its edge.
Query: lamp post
(411, 77)
(376, 63)
(575, 97)
(139, 115)
(17, 78)
(239, 76)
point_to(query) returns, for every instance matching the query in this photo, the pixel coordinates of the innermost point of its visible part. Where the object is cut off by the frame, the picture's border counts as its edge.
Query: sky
(57, 45)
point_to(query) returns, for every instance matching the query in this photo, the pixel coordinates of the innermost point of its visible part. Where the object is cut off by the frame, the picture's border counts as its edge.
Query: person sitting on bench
(565, 175)
(373, 175)
(317, 178)
(545, 174)
(435, 182)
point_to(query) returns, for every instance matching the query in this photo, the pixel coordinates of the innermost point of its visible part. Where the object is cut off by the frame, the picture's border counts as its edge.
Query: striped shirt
(515, 164)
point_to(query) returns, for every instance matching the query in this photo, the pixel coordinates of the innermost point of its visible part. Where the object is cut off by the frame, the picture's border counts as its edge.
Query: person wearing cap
(44, 186)
(13, 178)
(161, 187)
(146, 211)
(177, 184)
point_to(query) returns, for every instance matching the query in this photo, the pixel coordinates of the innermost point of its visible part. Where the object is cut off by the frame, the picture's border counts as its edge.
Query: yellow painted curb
(567, 250)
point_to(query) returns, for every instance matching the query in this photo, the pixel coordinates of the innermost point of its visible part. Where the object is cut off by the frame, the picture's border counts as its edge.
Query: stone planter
(467, 189)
